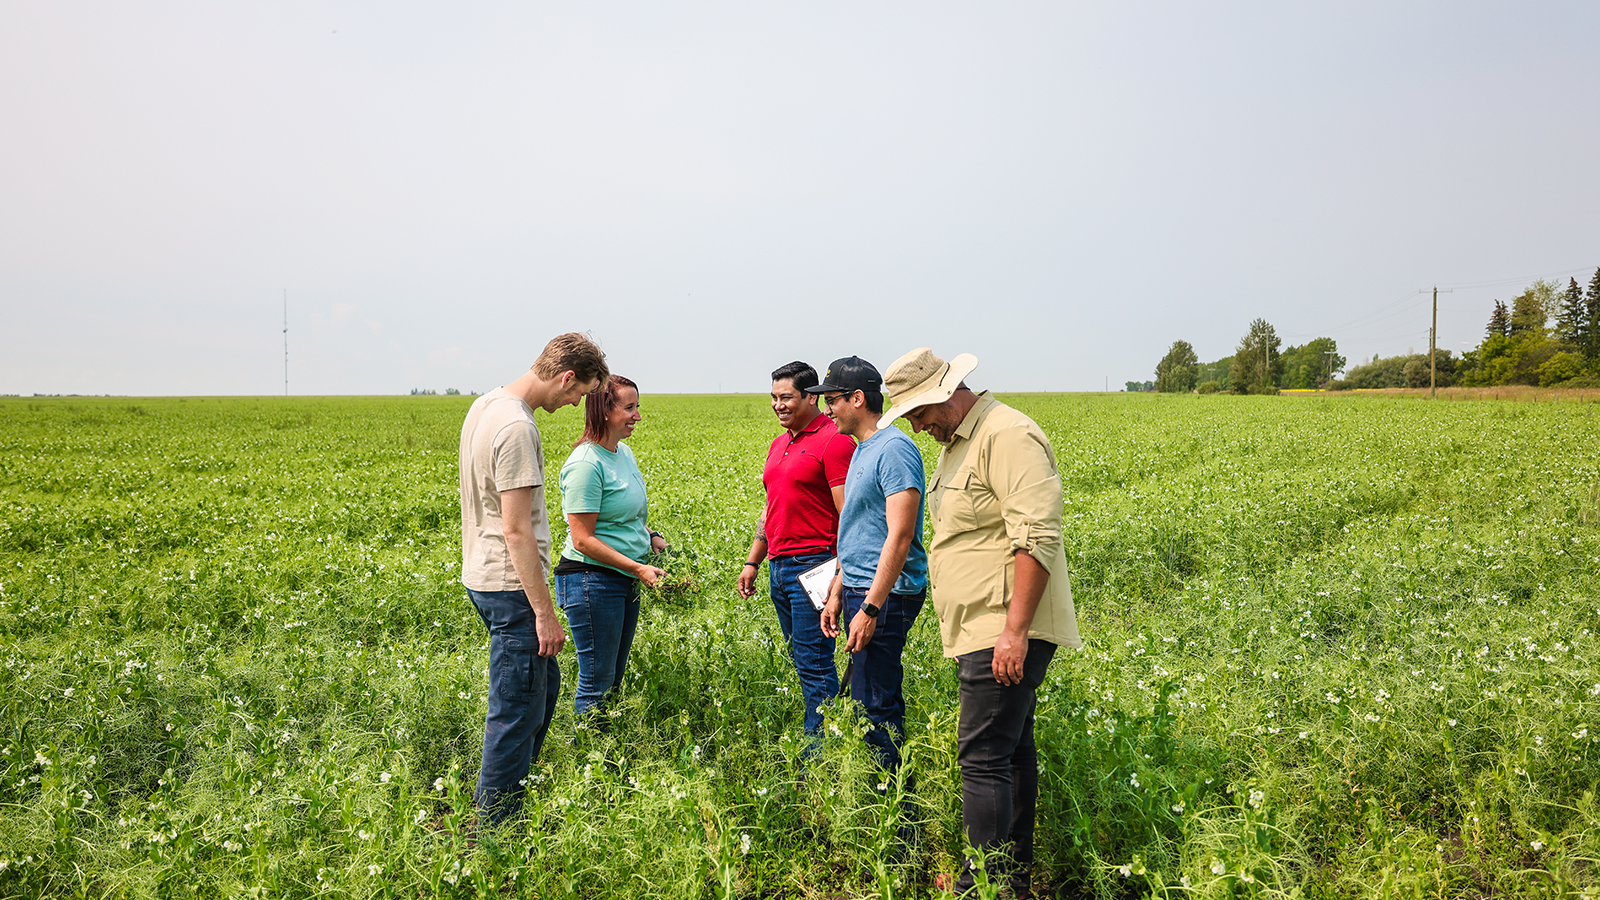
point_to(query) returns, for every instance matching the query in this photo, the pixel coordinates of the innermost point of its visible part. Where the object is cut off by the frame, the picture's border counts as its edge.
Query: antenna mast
(286, 342)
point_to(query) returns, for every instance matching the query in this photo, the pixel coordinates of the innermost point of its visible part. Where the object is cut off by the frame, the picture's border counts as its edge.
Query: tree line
(1260, 365)
(1548, 336)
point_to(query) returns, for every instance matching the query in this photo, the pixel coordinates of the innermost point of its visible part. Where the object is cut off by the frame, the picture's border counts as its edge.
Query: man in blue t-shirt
(883, 576)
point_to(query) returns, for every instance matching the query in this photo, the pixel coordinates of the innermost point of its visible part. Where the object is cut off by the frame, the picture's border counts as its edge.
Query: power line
(1501, 282)
(1410, 301)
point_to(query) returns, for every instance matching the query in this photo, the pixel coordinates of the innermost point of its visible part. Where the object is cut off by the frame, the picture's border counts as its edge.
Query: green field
(1334, 647)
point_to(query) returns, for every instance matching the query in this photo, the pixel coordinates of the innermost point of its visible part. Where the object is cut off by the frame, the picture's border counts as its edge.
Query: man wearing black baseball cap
(883, 577)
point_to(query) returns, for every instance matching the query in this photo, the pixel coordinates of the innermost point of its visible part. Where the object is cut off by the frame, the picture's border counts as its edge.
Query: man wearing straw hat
(998, 574)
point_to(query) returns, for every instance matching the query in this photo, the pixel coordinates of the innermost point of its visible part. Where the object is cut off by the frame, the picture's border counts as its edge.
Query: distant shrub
(1586, 380)
(1561, 367)
(1209, 387)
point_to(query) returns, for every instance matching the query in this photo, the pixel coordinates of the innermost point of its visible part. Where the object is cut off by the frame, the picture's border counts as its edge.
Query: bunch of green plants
(1334, 648)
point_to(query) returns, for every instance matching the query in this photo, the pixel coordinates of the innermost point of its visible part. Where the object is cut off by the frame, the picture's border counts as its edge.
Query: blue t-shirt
(595, 480)
(884, 464)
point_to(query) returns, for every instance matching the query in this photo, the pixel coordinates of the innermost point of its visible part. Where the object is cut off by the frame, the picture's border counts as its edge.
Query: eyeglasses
(830, 400)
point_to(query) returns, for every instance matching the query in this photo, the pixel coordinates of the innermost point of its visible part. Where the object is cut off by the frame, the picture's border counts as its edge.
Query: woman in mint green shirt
(608, 542)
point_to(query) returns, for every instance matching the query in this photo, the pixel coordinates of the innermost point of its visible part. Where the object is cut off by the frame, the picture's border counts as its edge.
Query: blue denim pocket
(513, 674)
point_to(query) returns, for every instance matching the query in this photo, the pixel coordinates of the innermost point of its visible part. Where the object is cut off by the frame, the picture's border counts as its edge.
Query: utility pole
(286, 342)
(1329, 354)
(1433, 343)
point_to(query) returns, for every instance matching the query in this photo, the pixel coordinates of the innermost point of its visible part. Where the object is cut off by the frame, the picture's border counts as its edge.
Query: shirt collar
(811, 427)
(969, 422)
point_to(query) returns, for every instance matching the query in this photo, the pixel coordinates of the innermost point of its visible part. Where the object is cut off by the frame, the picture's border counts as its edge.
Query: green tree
(1531, 310)
(1572, 316)
(1311, 365)
(1256, 363)
(1218, 371)
(1559, 368)
(1499, 321)
(1179, 370)
(1591, 343)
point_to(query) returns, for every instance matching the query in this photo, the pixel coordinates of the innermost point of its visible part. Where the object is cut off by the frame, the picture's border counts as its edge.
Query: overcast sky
(713, 190)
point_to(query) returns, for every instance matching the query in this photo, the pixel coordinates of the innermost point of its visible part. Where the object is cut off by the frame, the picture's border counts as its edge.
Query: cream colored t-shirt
(500, 451)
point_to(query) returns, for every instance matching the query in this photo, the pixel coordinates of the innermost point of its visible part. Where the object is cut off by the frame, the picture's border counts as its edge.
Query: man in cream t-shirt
(505, 560)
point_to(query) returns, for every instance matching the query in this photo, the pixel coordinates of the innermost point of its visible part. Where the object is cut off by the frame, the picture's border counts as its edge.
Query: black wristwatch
(870, 610)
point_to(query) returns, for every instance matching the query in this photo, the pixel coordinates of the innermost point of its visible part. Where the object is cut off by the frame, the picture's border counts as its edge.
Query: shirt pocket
(958, 503)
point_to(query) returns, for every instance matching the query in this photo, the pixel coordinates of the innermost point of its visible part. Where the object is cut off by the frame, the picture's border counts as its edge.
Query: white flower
(374, 870)
(1218, 867)
(1537, 845)
(1125, 869)
(438, 784)
(384, 777)
(1178, 807)
(744, 843)
(1256, 797)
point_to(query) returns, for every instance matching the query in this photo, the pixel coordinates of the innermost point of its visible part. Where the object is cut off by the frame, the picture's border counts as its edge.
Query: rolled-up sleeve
(1023, 476)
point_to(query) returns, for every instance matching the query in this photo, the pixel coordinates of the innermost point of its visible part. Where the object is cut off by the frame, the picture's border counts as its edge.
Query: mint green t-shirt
(595, 480)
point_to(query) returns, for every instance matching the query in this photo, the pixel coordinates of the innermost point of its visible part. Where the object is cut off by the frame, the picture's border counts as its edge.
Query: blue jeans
(811, 650)
(523, 687)
(603, 611)
(876, 675)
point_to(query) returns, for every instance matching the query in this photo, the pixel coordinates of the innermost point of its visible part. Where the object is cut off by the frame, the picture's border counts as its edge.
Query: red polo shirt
(799, 473)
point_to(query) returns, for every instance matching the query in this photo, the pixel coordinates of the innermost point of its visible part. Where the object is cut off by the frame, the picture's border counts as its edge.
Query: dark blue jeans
(999, 762)
(876, 675)
(603, 611)
(811, 650)
(523, 687)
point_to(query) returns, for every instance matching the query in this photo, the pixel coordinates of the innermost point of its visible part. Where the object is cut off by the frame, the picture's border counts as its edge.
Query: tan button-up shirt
(996, 490)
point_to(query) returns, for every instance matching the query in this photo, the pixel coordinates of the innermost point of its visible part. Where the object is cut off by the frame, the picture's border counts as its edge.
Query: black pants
(999, 763)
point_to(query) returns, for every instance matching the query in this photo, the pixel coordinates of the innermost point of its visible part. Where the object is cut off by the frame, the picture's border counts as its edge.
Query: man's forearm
(891, 561)
(524, 552)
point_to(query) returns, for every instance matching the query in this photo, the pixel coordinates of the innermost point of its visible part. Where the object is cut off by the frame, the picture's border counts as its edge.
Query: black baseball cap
(849, 375)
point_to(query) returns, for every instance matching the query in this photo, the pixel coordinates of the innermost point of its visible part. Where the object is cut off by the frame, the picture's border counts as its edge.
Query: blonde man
(505, 560)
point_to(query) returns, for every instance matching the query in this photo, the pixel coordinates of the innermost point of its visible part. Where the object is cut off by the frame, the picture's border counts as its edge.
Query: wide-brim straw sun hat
(919, 378)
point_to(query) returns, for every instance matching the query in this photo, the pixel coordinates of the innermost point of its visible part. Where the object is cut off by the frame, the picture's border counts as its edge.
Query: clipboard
(815, 580)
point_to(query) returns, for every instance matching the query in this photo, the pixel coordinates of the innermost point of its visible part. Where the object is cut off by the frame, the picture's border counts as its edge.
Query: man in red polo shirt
(799, 528)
